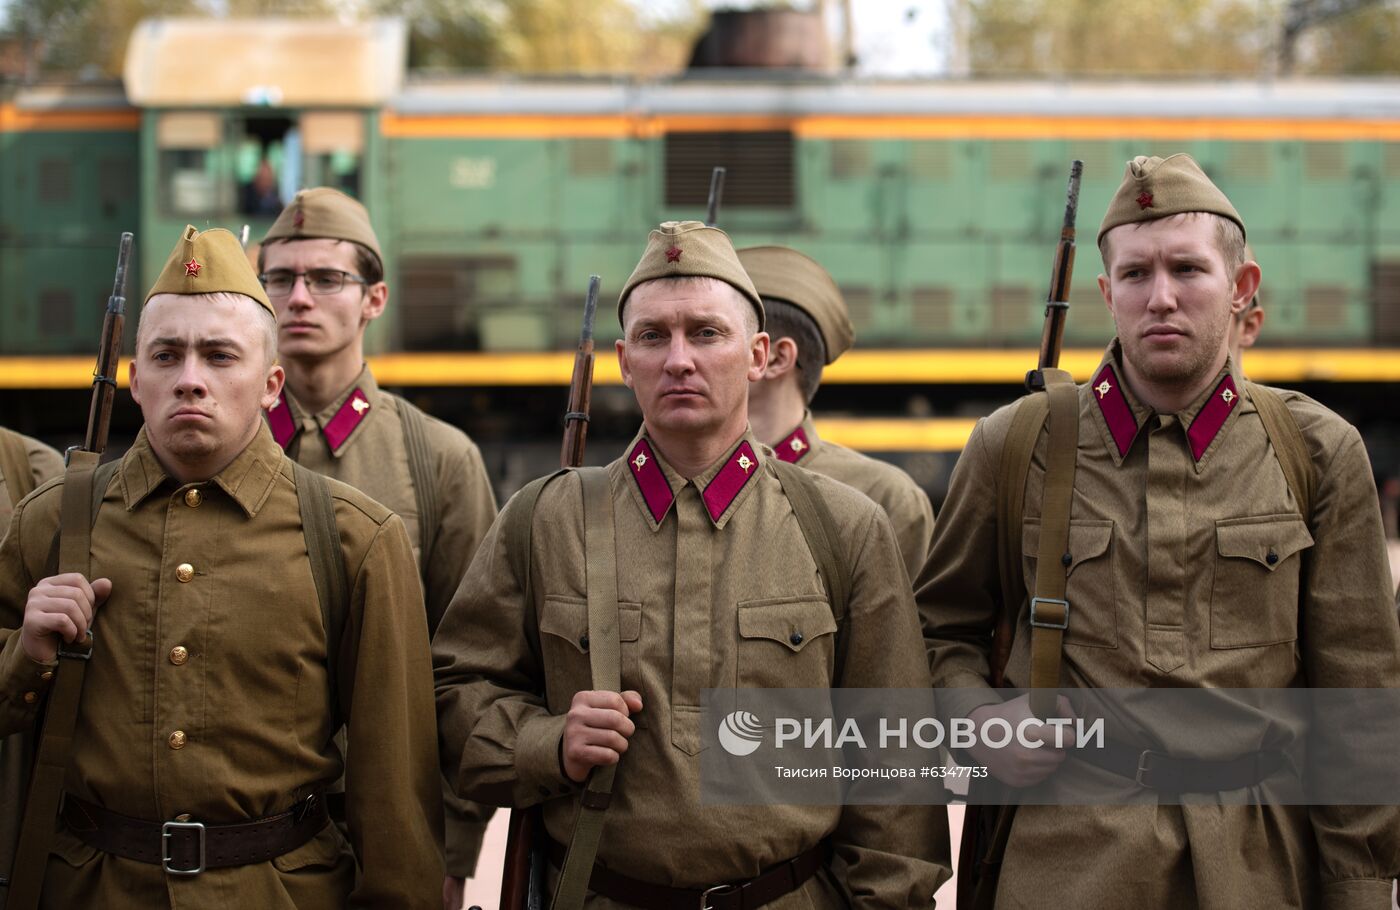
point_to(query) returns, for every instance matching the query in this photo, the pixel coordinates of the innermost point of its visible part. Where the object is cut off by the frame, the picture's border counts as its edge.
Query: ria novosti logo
(741, 733)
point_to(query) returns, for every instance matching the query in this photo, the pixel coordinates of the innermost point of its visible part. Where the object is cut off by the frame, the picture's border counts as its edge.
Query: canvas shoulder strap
(318, 527)
(819, 528)
(14, 466)
(77, 512)
(1290, 447)
(1049, 612)
(421, 471)
(605, 660)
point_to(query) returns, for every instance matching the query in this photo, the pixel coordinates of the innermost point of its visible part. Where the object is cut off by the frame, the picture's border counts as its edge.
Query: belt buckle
(1144, 768)
(713, 890)
(165, 835)
(1061, 625)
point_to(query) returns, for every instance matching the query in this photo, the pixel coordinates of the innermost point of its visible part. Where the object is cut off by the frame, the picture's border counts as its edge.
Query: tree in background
(1182, 38)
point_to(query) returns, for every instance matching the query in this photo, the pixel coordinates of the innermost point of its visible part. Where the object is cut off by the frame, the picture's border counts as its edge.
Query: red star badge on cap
(192, 268)
(673, 254)
(1144, 200)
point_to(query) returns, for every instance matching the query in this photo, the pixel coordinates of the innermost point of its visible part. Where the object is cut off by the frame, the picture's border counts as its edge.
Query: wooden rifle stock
(716, 195)
(522, 878)
(1052, 336)
(104, 377)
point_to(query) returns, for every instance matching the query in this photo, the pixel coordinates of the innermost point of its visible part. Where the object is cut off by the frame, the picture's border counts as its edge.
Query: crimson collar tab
(281, 421)
(718, 494)
(337, 430)
(1107, 389)
(1212, 416)
(795, 447)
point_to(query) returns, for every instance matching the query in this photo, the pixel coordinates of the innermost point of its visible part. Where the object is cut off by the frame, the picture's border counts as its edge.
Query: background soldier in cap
(216, 680)
(809, 328)
(25, 464)
(321, 265)
(716, 587)
(1191, 563)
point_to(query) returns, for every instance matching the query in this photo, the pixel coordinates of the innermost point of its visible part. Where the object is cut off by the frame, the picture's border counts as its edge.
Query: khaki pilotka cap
(325, 213)
(209, 263)
(782, 273)
(691, 248)
(1154, 188)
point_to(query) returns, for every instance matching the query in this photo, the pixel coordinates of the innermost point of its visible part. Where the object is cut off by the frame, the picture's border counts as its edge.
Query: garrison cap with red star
(209, 262)
(679, 249)
(1155, 188)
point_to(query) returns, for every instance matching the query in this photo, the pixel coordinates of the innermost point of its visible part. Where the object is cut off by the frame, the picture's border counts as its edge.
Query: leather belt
(770, 885)
(184, 847)
(1159, 771)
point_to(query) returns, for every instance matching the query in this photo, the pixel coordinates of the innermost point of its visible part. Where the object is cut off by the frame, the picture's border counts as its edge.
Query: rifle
(1052, 336)
(34, 836)
(522, 878)
(985, 834)
(104, 377)
(716, 194)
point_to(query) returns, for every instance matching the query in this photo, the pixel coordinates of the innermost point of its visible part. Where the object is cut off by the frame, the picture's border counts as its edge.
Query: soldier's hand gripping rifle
(716, 196)
(522, 879)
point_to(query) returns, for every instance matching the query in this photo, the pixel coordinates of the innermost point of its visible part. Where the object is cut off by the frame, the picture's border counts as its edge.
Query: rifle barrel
(716, 195)
(581, 385)
(104, 376)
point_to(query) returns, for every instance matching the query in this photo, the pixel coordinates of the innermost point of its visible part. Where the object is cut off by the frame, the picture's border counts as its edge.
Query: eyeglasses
(279, 282)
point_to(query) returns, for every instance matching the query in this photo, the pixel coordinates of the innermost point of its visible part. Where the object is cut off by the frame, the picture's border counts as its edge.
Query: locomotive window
(267, 163)
(187, 162)
(759, 164)
(55, 180)
(334, 149)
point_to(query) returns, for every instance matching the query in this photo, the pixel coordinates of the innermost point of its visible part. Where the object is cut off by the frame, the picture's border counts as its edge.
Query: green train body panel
(943, 241)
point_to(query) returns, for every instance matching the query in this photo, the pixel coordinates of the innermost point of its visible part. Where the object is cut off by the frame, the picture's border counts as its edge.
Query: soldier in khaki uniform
(717, 587)
(30, 461)
(323, 270)
(1189, 565)
(209, 697)
(809, 329)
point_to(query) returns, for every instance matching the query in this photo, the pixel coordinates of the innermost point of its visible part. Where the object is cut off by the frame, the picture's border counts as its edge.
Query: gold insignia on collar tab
(745, 463)
(1227, 396)
(1103, 388)
(640, 461)
(360, 405)
(797, 445)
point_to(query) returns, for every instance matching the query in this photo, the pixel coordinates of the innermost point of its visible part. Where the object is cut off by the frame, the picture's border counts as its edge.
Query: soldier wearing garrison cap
(809, 328)
(716, 585)
(1220, 534)
(219, 671)
(324, 272)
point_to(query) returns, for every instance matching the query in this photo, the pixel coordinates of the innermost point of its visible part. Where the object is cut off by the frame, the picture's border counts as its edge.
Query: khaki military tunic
(1190, 567)
(44, 463)
(903, 500)
(717, 588)
(358, 439)
(208, 694)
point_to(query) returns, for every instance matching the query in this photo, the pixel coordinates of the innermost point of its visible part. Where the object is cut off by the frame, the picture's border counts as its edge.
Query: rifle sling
(76, 514)
(1049, 613)
(605, 659)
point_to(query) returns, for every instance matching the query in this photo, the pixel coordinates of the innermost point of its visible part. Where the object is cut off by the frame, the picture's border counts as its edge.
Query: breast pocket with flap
(1254, 593)
(1091, 586)
(786, 642)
